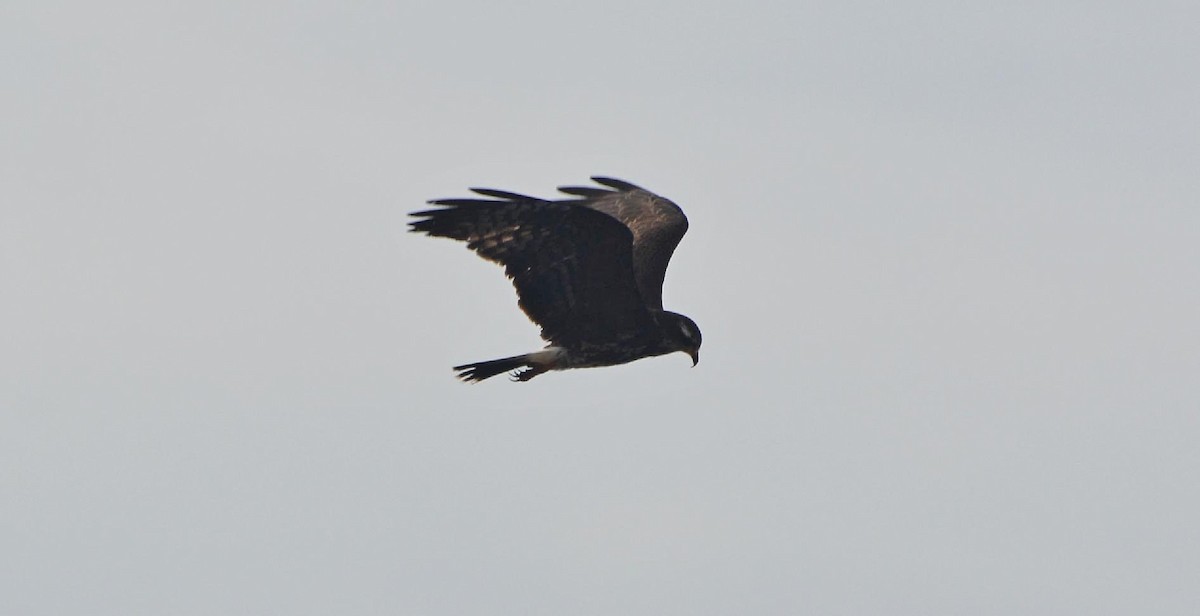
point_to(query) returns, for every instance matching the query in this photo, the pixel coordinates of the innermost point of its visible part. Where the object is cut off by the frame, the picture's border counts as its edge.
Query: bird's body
(588, 270)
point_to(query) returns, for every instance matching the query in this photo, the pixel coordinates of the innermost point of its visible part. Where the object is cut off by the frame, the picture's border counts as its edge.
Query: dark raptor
(588, 269)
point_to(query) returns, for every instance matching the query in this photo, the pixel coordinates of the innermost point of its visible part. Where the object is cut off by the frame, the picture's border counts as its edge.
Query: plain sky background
(945, 255)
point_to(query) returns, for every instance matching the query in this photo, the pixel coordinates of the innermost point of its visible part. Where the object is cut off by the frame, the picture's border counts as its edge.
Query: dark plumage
(589, 270)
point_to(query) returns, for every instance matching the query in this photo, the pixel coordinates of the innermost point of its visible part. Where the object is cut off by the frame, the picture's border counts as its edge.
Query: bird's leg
(527, 373)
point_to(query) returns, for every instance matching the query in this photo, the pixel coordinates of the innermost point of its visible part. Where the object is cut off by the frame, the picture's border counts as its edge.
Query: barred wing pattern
(572, 266)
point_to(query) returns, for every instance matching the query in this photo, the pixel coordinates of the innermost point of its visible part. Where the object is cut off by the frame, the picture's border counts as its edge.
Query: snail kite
(588, 269)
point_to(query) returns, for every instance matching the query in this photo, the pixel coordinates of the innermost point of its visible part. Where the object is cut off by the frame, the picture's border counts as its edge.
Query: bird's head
(681, 334)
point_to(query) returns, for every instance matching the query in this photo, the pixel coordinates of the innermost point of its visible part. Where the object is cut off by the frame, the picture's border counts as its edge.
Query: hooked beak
(695, 353)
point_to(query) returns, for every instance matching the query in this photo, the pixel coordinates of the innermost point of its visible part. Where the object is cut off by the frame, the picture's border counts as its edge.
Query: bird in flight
(588, 269)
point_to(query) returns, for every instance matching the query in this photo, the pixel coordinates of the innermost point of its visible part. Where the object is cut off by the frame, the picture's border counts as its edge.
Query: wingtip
(612, 182)
(586, 192)
(445, 202)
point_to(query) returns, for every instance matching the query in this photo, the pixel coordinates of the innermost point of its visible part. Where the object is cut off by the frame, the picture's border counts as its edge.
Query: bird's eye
(687, 332)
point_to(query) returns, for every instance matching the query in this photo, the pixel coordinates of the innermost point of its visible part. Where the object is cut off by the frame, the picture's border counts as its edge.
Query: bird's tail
(520, 366)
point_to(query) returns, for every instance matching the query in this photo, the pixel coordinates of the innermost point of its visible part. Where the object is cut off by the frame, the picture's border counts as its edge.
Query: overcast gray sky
(944, 255)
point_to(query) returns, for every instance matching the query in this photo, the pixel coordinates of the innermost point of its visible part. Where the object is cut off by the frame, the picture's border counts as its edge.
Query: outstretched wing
(572, 266)
(656, 222)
